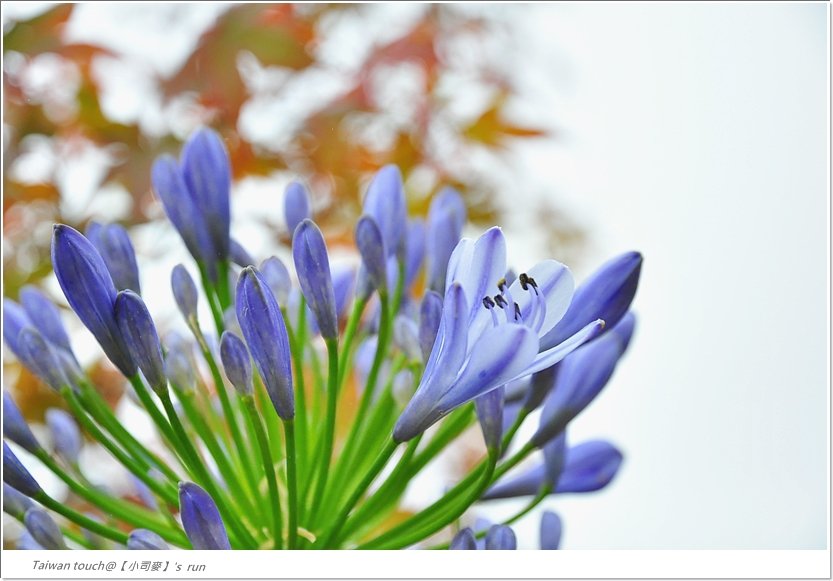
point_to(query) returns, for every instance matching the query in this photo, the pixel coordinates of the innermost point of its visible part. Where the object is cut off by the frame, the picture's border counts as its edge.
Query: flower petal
(549, 358)
(555, 283)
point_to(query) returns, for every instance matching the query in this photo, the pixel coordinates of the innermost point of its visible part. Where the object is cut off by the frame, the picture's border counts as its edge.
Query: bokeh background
(695, 133)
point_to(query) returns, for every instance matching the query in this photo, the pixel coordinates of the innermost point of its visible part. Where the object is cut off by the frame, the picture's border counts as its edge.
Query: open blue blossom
(483, 341)
(201, 519)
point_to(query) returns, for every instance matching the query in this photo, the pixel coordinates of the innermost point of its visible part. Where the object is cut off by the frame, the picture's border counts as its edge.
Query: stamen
(524, 280)
(533, 284)
(501, 284)
(488, 303)
(500, 301)
(517, 312)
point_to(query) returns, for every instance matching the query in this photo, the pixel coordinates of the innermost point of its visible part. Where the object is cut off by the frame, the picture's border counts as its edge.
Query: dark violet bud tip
(66, 437)
(16, 475)
(372, 249)
(236, 362)
(501, 538)
(139, 332)
(463, 541)
(201, 519)
(265, 333)
(185, 293)
(296, 206)
(15, 427)
(313, 267)
(145, 540)
(44, 530)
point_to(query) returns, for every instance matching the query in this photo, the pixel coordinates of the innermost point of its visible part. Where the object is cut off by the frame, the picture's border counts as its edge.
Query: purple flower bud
(239, 255)
(581, 377)
(145, 540)
(406, 337)
(265, 333)
(555, 452)
(372, 249)
(463, 541)
(15, 427)
(115, 248)
(236, 362)
(42, 358)
(206, 171)
(27, 543)
(201, 519)
(66, 437)
(276, 275)
(45, 316)
(296, 207)
(144, 493)
(607, 294)
(15, 320)
(44, 530)
(139, 333)
(415, 250)
(185, 293)
(550, 531)
(385, 202)
(430, 315)
(501, 538)
(90, 292)
(590, 466)
(313, 267)
(539, 386)
(446, 217)
(489, 407)
(16, 475)
(15, 503)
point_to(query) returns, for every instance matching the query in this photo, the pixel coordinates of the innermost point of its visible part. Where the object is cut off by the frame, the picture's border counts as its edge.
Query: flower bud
(239, 255)
(89, 289)
(406, 337)
(372, 249)
(265, 333)
(415, 250)
(66, 437)
(236, 362)
(539, 386)
(45, 316)
(15, 503)
(15, 427)
(446, 217)
(385, 202)
(16, 475)
(313, 267)
(276, 275)
(501, 538)
(590, 466)
(430, 315)
(15, 320)
(489, 407)
(463, 541)
(296, 207)
(44, 530)
(145, 540)
(140, 335)
(114, 246)
(201, 519)
(550, 531)
(42, 358)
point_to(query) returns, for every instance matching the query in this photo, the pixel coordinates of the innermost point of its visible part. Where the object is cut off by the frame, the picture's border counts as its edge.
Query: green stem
(510, 433)
(329, 434)
(268, 468)
(297, 343)
(81, 520)
(292, 482)
(349, 336)
(158, 419)
(213, 301)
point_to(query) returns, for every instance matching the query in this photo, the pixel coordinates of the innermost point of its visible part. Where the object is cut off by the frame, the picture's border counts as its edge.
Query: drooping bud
(66, 437)
(15, 320)
(539, 386)
(15, 427)
(89, 289)
(313, 267)
(145, 540)
(266, 336)
(44, 530)
(114, 246)
(16, 475)
(139, 332)
(201, 519)
(590, 466)
(236, 362)
(296, 206)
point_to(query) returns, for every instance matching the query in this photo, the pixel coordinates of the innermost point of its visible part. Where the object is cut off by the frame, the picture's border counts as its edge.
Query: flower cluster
(425, 336)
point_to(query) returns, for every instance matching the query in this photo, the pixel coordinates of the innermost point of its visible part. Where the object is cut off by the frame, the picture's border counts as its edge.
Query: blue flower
(115, 248)
(276, 275)
(239, 255)
(296, 207)
(44, 359)
(15, 503)
(45, 317)
(236, 362)
(430, 315)
(139, 332)
(66, 437)
(16, 475)
(489, 407)
(265, 332)
(313, 267)
(43, 529)
(185, 293)
(550, 531)
(414, 250)
(446, 217)
(145, 540)
(90, 291)
(385, 202)
(201, 519)
(464, 541)
(486, 342)
(371, 246)
(15, 427)
(501, 538)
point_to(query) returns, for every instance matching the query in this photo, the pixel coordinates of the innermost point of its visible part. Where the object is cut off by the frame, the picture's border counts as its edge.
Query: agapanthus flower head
(114, 245)
(15, 427)
(296, 206)
(201, 518)
(606, 294)
(550, 531)
(15, 503)
(464, 540)
(45, 316)
(313, 267)
(66, 437)
(139, 332)
(90, 291)
(265, 333)
(501, 538)
(16, 475)
(385, 202)
(43, 529)
(486, 342)
(236, 362)
(145, 540)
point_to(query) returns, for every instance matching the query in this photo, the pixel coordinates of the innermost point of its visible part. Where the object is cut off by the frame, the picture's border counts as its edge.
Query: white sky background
(697, 134)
